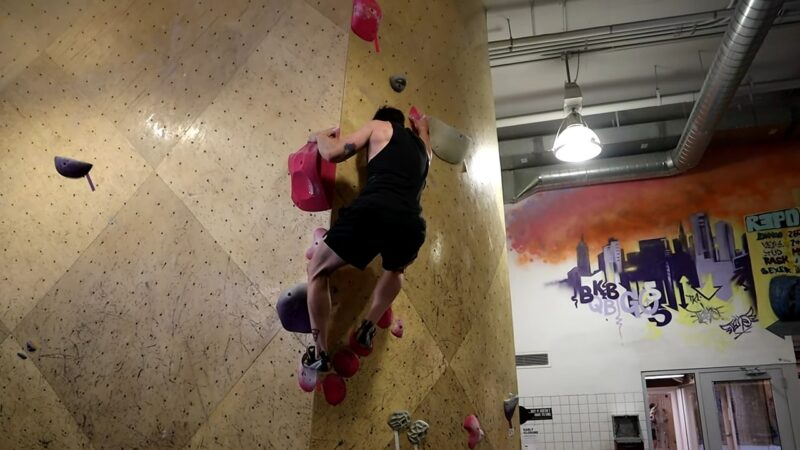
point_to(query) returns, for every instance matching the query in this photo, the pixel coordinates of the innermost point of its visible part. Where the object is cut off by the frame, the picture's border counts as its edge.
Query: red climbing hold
(386, 319)
(334, 388)
(366, 20)
(346, 363)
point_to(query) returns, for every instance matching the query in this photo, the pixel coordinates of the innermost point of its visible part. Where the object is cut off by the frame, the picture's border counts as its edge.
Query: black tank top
(396, 175)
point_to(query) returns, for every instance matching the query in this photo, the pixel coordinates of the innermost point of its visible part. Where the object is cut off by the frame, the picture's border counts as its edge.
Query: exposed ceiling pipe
(639, 103)
(651, 24)
(745, 34)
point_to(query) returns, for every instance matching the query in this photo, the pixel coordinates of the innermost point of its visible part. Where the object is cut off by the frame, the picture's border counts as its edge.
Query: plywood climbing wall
(148, 304)
(457, 356)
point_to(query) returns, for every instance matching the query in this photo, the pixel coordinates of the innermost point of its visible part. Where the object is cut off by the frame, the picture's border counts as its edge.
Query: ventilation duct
(746, 31)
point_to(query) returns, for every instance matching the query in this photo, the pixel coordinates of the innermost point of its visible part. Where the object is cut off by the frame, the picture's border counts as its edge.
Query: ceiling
(637, 90)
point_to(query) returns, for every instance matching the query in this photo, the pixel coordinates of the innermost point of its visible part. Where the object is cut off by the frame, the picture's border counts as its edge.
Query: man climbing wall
(385, 219)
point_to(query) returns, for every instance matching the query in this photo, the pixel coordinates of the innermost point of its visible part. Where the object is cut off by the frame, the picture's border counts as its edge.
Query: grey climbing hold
(418, 432)
(398, 82)
(399, 420)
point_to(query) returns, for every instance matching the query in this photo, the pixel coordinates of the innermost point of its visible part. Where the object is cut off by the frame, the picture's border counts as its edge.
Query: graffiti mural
(662, 275)
(666, 251)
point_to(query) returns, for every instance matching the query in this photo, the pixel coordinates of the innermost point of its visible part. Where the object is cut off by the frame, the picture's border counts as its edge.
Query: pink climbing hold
(366, 20)
(334, 388)
(397, 328)
(386, 319)
(313, 179)
(473, 427)
(307, 378)
(319, 233)
(346, 363)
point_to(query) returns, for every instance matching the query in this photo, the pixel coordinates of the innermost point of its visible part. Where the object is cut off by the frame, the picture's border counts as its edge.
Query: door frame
(791, 385)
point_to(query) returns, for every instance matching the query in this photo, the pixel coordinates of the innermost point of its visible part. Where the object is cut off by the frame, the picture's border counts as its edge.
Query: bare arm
(335, 148)
(420, 126)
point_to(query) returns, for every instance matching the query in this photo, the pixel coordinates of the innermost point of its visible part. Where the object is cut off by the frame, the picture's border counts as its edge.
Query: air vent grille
(533, 360)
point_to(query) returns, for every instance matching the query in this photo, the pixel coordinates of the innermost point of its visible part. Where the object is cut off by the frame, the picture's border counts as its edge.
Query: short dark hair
(389, 114)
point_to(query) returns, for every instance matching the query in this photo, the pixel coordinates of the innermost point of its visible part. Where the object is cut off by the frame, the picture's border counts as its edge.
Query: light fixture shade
(575, 141)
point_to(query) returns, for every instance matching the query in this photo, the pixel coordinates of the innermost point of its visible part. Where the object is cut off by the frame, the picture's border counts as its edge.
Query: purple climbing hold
(72, 168)
(293, 310)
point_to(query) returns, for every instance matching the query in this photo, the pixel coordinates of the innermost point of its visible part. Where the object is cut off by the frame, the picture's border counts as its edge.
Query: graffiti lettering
(772, 244)
(777, 260)
(773, 270)
(740, 324)
(773, 252)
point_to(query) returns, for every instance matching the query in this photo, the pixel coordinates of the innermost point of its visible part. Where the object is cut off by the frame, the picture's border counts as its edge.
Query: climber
(385, 218)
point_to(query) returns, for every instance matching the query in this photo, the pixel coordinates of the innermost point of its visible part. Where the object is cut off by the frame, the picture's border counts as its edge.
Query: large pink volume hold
(313, 179)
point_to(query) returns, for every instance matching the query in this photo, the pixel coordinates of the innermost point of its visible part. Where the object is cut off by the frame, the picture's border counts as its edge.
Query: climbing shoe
(319, 362)
(365, 334)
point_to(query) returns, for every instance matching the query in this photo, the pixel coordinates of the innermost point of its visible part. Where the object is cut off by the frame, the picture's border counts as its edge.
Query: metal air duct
(746, 31)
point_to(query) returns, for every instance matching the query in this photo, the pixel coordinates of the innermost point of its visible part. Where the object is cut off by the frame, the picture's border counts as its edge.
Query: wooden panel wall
(150, 301)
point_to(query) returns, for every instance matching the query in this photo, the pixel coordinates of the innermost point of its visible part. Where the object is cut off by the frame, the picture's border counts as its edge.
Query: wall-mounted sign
(773, 239)
(542, 413)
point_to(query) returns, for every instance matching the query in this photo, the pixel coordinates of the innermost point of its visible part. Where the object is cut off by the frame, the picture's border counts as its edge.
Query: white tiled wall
(583, 422)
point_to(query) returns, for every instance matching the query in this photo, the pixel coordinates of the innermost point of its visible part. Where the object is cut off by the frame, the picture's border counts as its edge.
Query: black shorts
(361, 233)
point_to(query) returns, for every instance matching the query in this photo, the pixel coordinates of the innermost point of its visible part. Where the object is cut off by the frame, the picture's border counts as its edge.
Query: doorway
(674, 412)
(721, 409)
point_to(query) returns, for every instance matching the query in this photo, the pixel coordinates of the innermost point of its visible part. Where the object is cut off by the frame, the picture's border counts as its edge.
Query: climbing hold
(359, 349)
(449, 144)
(72, 168)
(319, 234)
(509, 407)
(307, 378)
(334, 388)
(293, 309)
(386, 319)
(22, 355)
(346, 363)
(366, 20)
(418, 432)
(398, 82)
(473, 427)
(398, 421)
(313, 179)
(397, 328)
(30, 347)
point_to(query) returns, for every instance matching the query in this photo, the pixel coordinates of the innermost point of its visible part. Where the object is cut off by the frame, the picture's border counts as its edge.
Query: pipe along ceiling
(744, 35)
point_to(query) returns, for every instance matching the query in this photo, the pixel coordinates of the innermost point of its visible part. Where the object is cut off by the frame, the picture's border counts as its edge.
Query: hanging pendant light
(575, 141)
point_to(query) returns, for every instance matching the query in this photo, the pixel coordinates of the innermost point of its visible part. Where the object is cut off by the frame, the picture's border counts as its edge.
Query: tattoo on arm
(349, 149)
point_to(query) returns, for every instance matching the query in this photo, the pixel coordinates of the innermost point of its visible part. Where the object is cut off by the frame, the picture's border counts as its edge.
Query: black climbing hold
(29, 345)
(398, 82)
(22, 355)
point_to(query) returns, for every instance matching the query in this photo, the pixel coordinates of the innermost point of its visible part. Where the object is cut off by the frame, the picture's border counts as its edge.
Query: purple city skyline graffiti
(665, 275)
